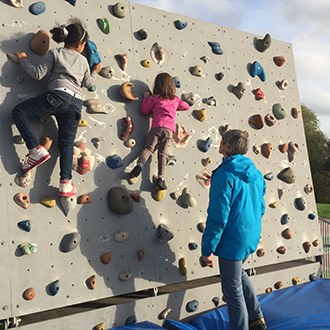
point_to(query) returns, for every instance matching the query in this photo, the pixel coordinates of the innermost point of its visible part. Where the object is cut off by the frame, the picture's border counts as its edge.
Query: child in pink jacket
(163, 103)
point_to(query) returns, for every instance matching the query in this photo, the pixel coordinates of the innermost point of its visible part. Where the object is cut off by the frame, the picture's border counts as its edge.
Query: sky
(303, 23)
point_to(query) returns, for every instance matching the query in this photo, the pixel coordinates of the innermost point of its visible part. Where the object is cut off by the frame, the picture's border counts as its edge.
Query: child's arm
(147, 104)
(182, 106)
(89, 78)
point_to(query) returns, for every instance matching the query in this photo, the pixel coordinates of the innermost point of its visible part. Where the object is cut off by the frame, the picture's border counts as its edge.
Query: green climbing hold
(104, 25)
(279, 111)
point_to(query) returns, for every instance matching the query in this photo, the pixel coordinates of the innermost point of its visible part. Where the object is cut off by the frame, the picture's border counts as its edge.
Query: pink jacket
(164, 110)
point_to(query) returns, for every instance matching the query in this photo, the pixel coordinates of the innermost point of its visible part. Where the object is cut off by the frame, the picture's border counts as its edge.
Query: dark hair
(237, 141)
(71, 34)
(164, 86)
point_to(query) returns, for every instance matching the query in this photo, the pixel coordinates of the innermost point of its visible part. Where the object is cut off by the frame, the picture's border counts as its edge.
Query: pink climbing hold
(180, 137)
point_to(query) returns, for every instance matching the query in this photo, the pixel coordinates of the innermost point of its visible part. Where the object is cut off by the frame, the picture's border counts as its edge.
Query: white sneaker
(67, 188)
(35, 157)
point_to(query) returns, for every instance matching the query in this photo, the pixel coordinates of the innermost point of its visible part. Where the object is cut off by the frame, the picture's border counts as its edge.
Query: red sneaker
(35, 157)
(67, 188)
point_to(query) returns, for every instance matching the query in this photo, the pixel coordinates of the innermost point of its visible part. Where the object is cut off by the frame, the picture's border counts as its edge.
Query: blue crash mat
(139, 326)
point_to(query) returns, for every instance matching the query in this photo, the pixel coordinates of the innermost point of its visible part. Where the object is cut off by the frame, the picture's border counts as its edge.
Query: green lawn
(323, 210)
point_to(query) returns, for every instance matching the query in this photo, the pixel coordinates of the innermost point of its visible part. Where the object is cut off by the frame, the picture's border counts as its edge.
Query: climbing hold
(259, 94)
(268, 290)
(180, 25)
(201, 226)
(91, 53)
(16, 3)
(125, 275)
(295, 113)
(120, 10)
(266, 149)
(239, 90)
(17, 139)
(256, 149)
(187, 199)
(296, 280)
(175, 195)
(216, 301)
(25, 225)
(40, 43)
(136, 197)
(48, 202)
(91, 282)
(131, 320)
(278, 285)
(311, 216)
(100, 326)
(270, 120)
(141, 254)
(94, 106)
(188, 97)
(307, 246)
(287, 175)
(68, 204)
(263, 44)
(164, 234)
(312, 277)
(210, 101)
(126, 91)
(29, 294)
(121, 236)
(269, 176)
(193, 246)
(84, 165)
(54, 287)
(92, 88)
(280, 192)
(283, 84)
(273, 205)
(285, 219)
(177, 82)
(205, 145)
(207, 161)
(216, 47)
(258, 70)
(181, 137)
(22, 200)
(316, 242)
(46, 142)
(261, 252)
(122, 60)
(300, 203)
(106, 258)
(284, 148)
(192, 306)
(104, 25)
(256, 121)
(157, 53)
(293, 148)
(183, 266)
(28, 248)
(204, 178)
(279, 111)
(146, 63)
(84, 199)
(200, 114)
(163, 315)
(197, 71)
(120, 202)
(82, 123)
(81, 145)
(37, 8)
(143, 34)
(69, 242)
(219, 75)
(128, 128)
(130, 143)
(14, 58)
(159, 195)
(170, 160)
(205, 59)
(107, 72)
(287, 233)
(279, 60)
(72, 2)
(281, 249)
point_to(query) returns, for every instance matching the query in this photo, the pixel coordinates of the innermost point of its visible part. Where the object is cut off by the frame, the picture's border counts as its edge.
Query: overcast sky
(303, 23)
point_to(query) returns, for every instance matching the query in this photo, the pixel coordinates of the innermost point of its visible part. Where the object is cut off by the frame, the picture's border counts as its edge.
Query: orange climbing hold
(84, 199)
(281, 249)
(287, 233)
(91, 282)
(106, 258)
(126, 91)
(46, 142)
(141, 254)
(29, 294)
(279, 60)
(40, 43)
(22, 200)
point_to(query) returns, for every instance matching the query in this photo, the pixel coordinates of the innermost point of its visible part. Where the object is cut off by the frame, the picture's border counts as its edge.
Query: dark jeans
(67, 111)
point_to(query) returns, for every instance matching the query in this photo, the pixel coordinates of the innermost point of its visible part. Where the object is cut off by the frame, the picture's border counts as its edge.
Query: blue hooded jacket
(236, 207)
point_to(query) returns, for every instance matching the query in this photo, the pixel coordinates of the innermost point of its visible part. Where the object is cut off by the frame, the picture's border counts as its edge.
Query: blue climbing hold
(258, 70)
(114, 161)
(205, 145)
(54, 287)
(131, 319)
(37, 8)
(269, 176)
(91, 53)
(180, 25)
(216, 47)
(92, 88)
(73, 2)
(192, 306)
(25, 225)
(312, 277)
(193, 246)
(285, 219)
(311, 216)
(177, 82)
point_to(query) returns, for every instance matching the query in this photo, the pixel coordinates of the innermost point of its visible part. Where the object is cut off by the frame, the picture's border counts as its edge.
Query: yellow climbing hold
(183, 266)
(296, 280)
(100, 326)
(200, 114)
(273, 205)
(48, 202)
(146, 63)
(82, 123)
(316, 242)
(159, 195)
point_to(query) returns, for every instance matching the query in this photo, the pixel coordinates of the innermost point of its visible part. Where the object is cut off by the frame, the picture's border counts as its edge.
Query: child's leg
(152, 141)
(164, 143)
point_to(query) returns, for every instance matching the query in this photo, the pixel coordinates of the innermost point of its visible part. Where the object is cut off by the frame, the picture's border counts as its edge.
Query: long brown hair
(164, 86)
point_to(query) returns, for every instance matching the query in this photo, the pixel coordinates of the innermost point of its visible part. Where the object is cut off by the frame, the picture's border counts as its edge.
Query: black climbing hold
(164, 234)
(216, 301)
(131, 319)
(120, 201)
(69, 242)
(311, 216)
(114, 161)
(193, 246)
(192, 306)
(143, 34)
(300, 203)
(219, 76)
(285, 219)
(264, 44)
(287, 175)
(180, 25)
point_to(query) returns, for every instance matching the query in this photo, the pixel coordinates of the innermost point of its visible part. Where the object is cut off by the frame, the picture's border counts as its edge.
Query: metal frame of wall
(95, 223)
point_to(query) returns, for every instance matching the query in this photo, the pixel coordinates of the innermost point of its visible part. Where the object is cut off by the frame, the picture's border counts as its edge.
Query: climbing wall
(80, 273)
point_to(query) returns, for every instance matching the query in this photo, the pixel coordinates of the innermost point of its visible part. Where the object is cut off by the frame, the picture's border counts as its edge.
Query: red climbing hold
(106, 258)
(279, 60)
(29, 294)
(83, 165)
(259, 94)
(128, 128)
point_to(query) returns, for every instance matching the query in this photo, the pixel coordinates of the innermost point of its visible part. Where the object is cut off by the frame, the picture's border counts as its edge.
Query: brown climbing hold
(126, 91)
(22, 200)
(256, 121)
(267, 149)
(40, 43)
(256, 149)
(284, 148)
(123, 61)
(91, 282)
(295, 113)
(279, 60)
(281, 249)
(136, 197)
(307, 246)
(261, 252)
(270, 120)
(84, 199)
(141, 254)
(207, 161)
(200, 114)
(183, 266)
(287, 233)
(29, 294)
(278, 285)
(46, 142)
(106, 258)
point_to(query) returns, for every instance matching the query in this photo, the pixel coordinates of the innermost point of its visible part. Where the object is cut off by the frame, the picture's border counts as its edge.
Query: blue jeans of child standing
(242, 301)
(67, 111)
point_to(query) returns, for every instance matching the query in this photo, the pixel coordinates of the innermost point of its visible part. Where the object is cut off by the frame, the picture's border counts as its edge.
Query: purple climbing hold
(311, 216)
(258, 70)
(216, 47)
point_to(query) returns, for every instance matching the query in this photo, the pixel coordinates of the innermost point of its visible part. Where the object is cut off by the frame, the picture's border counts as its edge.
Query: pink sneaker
(67, 188)
(35, 157)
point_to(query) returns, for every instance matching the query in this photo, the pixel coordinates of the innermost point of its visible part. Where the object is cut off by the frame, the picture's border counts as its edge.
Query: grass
(323, 210)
